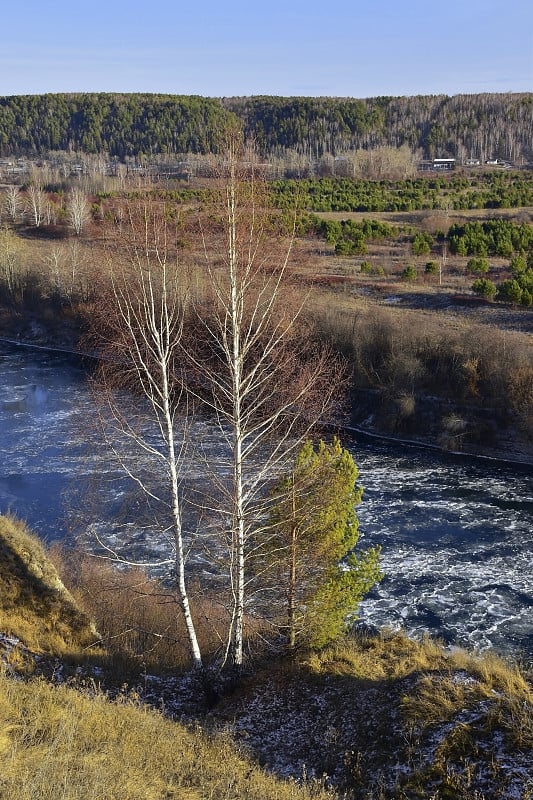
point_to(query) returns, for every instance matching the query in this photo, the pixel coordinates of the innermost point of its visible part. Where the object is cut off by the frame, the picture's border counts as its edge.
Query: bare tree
(78, 210)
(261, 373)
(243, 349)
(138, 337)
(12, 203)
(36, 201)
(12, 261)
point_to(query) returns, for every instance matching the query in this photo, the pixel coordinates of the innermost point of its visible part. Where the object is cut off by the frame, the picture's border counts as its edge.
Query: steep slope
(35, 607)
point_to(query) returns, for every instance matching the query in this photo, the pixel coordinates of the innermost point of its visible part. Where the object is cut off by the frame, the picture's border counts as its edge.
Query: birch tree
(36, 201)
(260, 372)
(12, 262)
(78, 210)
(12, 203)
(138, 333)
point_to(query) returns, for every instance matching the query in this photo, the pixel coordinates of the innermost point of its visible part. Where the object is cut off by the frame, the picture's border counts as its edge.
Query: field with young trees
(424, 284)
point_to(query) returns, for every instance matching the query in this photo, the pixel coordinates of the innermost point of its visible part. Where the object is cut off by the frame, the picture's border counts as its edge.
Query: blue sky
(340, 48)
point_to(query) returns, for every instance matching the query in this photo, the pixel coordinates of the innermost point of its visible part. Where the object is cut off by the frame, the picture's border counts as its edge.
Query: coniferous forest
(480, 126)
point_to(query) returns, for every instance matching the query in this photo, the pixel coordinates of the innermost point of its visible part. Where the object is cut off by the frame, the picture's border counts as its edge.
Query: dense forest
(464, 126)
(483, 126)
(120, 125)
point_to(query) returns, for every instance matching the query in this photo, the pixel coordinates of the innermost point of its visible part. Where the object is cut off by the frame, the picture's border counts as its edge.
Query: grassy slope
(387, 717)
(58, 742)
(35, 606)
(380, 716)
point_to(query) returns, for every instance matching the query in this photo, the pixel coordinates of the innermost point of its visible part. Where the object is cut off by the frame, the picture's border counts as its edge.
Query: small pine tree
(316, 531)
(511, 291)
(485, 288)
(479, 265)
(409, 273)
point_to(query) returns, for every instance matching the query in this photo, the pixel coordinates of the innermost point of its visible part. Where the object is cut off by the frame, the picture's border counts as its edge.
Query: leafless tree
(12, 204)
(138, 330)
(243, 350)
(12, 261)
(78, 210)
(36, 201)
(260, 372)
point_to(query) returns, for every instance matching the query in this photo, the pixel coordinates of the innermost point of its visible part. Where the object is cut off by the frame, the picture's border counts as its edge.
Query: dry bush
(139, 618)
(404, 353)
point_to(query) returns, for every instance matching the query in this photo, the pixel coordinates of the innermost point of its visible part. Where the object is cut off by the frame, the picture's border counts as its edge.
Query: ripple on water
(456, 535)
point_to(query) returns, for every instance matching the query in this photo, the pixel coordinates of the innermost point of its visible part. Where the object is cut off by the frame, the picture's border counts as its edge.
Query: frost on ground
(436, 734)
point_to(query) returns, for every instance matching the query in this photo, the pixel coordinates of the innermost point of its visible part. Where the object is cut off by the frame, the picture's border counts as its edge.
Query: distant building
(437, 165)
(444, 163)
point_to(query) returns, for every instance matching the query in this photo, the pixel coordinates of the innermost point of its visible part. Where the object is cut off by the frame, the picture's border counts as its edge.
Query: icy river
(456, 533)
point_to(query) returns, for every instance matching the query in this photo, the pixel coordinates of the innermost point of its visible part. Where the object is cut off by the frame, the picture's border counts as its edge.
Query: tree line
(481, 126)
(488, 190)
(121, 125)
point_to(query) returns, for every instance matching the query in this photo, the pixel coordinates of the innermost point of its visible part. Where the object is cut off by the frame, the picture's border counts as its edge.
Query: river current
(456, 533)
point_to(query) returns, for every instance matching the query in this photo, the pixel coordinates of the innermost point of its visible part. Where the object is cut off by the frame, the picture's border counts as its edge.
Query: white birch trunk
(148, 320)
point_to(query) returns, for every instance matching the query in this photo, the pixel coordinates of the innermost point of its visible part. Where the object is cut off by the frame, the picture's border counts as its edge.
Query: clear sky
(337, 48)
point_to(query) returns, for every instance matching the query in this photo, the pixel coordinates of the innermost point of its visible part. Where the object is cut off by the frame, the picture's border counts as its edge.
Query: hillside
(482, 126)
(377, 716)
(35, 606)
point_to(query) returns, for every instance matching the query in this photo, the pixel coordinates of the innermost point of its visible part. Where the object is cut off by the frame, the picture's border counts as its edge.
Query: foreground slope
(35, 606)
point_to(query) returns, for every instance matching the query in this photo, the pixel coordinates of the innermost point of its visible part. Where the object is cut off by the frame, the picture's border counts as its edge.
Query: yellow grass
(34, 605)
(58, 743)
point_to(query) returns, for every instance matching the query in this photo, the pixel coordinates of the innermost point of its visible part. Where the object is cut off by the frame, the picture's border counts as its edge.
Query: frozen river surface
(456, 533)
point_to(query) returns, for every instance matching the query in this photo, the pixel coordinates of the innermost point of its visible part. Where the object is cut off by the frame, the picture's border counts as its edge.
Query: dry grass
(59, 743)
(387, 717)
(388, 656)
(35, 606)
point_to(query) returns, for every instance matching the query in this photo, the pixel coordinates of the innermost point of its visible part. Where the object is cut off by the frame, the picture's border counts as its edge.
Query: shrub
(421, 245)
(478, 265)
(527, 298)
(366, 267)
(409, 273)
(485, 288)
(511, 291)
(431, 268)
(518, 265)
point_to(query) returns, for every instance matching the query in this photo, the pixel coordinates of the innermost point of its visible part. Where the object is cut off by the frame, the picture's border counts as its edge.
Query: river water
(456, 533)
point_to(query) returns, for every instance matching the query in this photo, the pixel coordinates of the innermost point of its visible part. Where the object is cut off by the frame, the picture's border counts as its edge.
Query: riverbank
(346, 718)
(437, 425)
(61, 330)
(431, 422)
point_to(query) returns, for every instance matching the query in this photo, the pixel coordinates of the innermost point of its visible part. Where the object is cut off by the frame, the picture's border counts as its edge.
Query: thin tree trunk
(236, 370)
(291, 598)
(178, 533)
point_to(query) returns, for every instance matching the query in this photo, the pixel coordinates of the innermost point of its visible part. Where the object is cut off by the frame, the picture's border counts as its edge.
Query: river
(456, 533)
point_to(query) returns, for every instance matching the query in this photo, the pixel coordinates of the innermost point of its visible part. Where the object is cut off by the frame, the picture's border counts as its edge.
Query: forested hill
(121, 125)
(479, 126)
(464, 126)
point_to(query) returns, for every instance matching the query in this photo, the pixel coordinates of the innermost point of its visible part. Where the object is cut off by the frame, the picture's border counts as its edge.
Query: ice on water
(456, 535)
